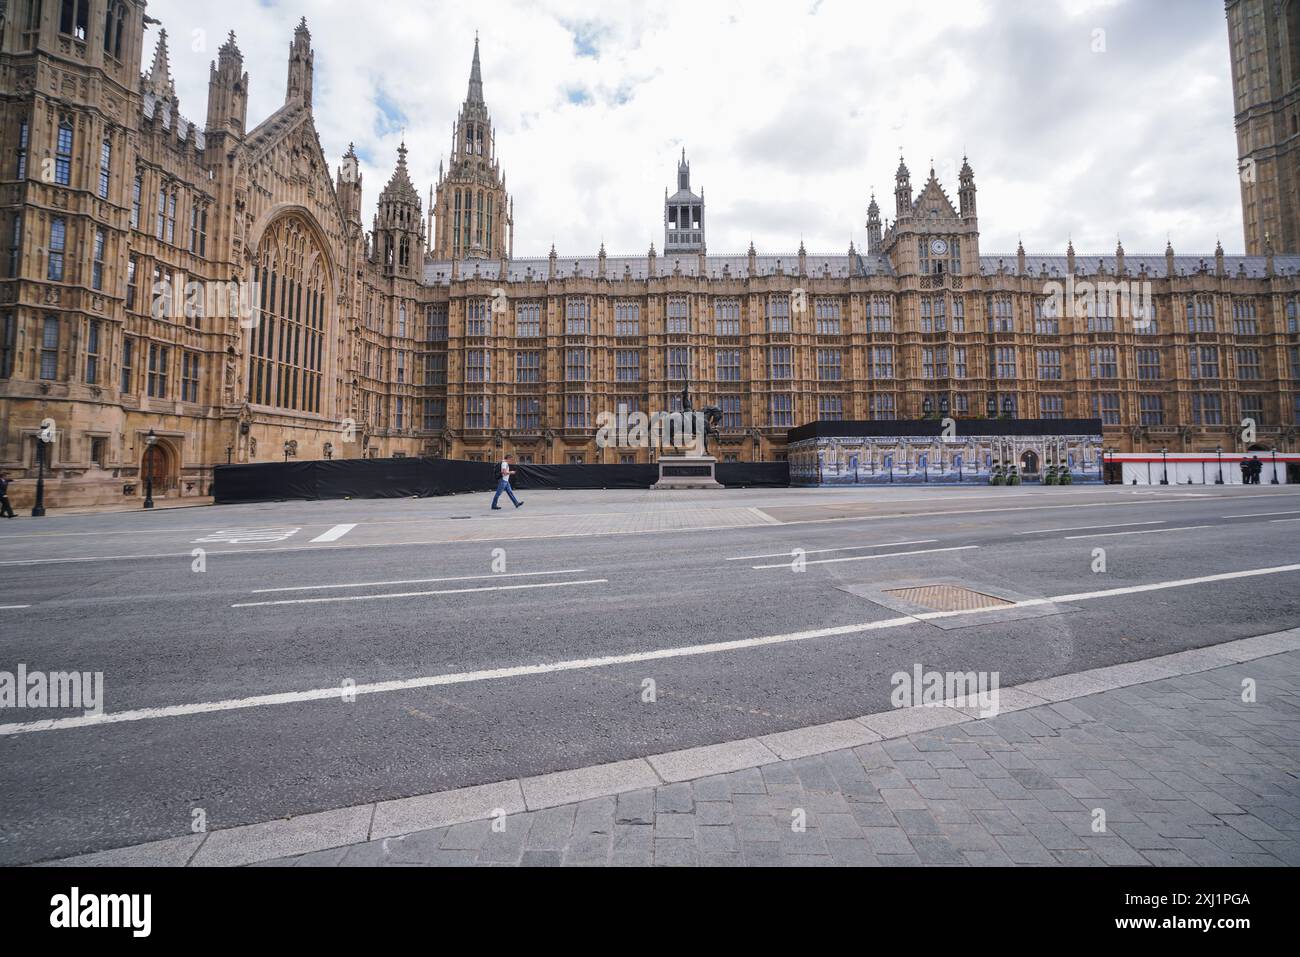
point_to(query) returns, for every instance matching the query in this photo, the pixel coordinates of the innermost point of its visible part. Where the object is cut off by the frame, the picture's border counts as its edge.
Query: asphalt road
(403, 590)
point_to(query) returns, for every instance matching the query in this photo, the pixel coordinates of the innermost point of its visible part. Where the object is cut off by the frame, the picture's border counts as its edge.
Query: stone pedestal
(687, 471)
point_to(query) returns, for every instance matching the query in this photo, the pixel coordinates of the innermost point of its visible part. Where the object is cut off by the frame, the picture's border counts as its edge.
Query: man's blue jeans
(504, 486)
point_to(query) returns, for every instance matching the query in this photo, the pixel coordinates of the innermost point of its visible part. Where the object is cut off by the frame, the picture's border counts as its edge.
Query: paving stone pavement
(1184, 771)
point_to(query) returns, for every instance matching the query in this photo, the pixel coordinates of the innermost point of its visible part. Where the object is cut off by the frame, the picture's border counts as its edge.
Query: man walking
(6, 510)
(503, 485)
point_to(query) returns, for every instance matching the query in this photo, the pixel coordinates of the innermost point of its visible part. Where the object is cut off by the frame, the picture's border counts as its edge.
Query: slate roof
(1085, 264)
(172, 120)
(638, 267)
(818, 266)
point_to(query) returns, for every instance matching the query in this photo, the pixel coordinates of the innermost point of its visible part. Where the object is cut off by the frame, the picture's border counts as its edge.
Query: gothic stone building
(427, 337)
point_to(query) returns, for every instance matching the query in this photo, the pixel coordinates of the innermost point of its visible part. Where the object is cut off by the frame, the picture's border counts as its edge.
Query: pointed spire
(230, 46)
(400, 188)
(475, 94)
(159, 81)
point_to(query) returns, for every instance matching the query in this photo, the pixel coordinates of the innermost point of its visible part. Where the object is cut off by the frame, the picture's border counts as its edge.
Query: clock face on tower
(938, 247)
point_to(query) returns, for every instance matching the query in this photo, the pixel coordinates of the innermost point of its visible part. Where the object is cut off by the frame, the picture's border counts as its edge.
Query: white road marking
(819, 551)
(243, 536)
(417, 594)
(14, 606)
(1262, 514)
(1149, 531)
(865, 558)
(1084, 528)
(420, 581)
(334, 534)
(1275, 520)
(659, 654)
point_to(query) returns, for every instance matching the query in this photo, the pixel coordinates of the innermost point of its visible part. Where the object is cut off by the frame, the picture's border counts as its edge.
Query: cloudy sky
(1083, 119)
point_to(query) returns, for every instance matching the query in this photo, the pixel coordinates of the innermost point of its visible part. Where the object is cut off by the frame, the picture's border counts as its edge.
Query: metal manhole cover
(947, 597)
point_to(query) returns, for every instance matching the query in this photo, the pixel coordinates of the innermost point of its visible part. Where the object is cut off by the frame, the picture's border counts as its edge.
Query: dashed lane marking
(1084, 528)
(867, 558)
(417, 594)
(1148, 531)
(419, 581)
(848, 548)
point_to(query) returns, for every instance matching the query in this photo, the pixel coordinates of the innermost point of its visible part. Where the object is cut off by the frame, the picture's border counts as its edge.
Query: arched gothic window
(286, 346)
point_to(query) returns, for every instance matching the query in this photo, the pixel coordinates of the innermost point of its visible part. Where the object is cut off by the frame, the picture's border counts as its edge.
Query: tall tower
(966, 190)
(301, 66)
(873, 226)
(902, 192)
(347, 185)
(399, 229)
(227, 92)
(473, 213)
(1264, 46)
(683, 215)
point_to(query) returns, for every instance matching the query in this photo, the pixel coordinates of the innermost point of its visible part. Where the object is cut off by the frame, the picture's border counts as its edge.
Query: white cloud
(789, 116)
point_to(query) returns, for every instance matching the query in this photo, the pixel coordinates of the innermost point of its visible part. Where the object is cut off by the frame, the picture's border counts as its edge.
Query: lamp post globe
(44, 437)
(150, 441)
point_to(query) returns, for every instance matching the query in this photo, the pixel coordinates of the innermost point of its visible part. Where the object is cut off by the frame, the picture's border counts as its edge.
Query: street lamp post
(230, 449)
(44, 437)
(1164, 460)
(1274, 480)
(149, 441)
(1218, 451)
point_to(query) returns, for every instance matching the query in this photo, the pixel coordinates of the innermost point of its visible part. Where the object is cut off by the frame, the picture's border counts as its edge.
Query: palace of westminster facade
(425, 336)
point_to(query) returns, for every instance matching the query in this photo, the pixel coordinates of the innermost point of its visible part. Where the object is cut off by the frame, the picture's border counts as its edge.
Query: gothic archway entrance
(1029, 462)
(159, 462)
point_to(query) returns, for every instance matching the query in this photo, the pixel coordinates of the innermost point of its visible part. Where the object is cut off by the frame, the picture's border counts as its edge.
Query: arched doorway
(1029, 462)
(159, 463)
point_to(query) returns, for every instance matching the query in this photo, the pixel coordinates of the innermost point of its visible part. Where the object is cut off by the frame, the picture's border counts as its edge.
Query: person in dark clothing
(6, 510)
(1245, 471)
(1256, 468)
